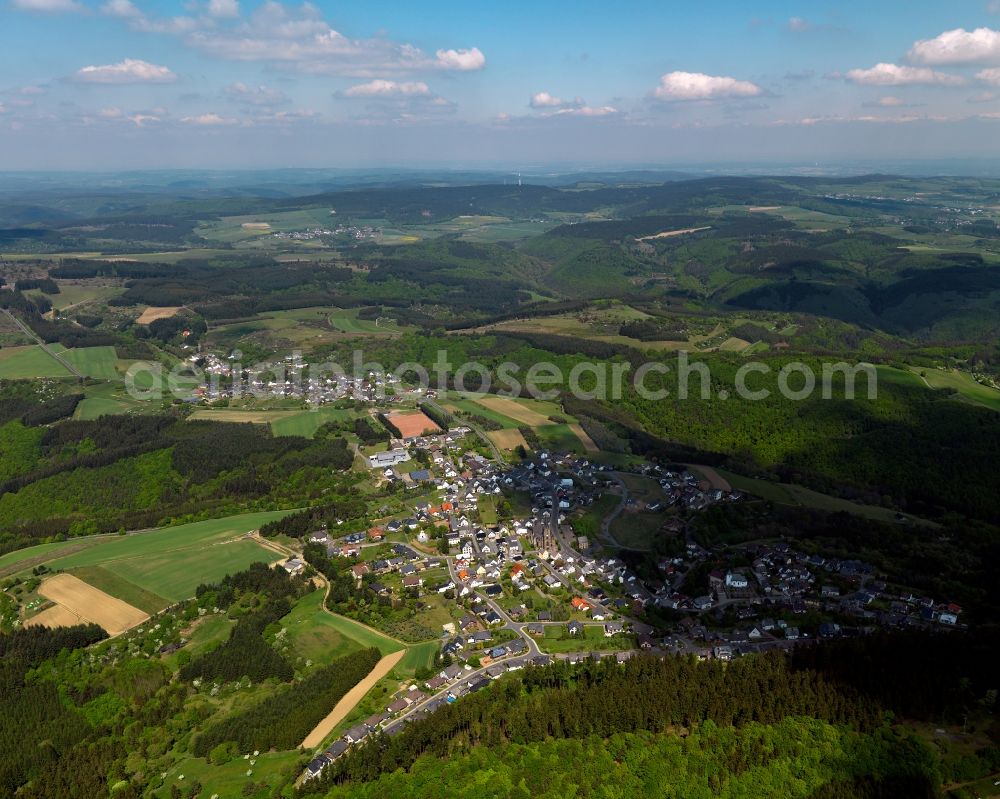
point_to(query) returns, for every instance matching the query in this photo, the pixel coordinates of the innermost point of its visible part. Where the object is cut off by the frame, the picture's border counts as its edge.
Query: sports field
(413, 424)
(87, 604)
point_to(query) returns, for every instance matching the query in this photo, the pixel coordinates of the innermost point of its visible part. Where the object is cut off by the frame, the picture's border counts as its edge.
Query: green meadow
(164, 564)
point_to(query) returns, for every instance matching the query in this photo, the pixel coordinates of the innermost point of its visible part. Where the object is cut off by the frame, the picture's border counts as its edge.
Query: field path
(350, 699)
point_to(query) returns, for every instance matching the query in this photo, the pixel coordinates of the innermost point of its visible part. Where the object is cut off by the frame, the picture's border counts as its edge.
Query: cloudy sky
(249, 83)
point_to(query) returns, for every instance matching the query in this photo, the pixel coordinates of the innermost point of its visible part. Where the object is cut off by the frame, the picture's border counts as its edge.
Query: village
(497, 554)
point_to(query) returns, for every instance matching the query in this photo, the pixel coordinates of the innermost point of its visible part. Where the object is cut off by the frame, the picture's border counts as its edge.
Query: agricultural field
(169, 562)
(28, 362)
(100, 363)
(152, 313)
(78, 602)
(508, 439)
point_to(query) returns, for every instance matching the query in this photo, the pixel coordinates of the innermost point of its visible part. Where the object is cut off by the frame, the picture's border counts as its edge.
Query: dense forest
(78, 477)
(662, 695)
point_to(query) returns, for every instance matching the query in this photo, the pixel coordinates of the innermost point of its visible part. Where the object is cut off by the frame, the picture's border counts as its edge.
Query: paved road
(34, 337)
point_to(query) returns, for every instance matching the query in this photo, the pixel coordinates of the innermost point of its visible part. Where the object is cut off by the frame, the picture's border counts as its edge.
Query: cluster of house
(293, 378)
(414, 702)
(685, 490)
(356, 232)
(782, 581)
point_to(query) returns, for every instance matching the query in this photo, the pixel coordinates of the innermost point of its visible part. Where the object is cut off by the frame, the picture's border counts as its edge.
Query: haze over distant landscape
(116, 84)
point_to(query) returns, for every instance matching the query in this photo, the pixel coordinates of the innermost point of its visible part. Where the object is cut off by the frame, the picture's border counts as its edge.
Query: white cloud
(141, 120)
(698, 86)
(389, 88)
(48, 6)
(799, 25)
(110, 113)
(300, 39)
(140, 21)
(124, 9)
(209, 120)
(958, 46)
(130, 70)
(544, 100)
(895, 75)
(462, 60)
(224, 9)
(991, 76)
(255, 95)
(588, 111)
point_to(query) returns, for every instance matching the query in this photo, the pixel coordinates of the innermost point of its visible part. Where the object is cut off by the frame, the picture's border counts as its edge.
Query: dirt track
(351, 699)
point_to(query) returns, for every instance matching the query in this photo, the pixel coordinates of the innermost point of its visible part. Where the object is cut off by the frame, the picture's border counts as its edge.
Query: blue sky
(255, 83)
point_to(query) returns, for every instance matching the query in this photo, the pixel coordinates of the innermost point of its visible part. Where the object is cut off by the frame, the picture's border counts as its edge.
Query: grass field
(119, 587)
(24, 363)
(316, 635)
(962, 383)
(418, 656)
(308, 422)
(110, 399)
(487, 510)
(282, 422)
(346, 320)
(74, 294)
(789, 494)
(559, 438)
(365, 636)
(170, 562)
(100, 363)
(637, 530)
(557, 639)
(271, 768)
